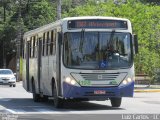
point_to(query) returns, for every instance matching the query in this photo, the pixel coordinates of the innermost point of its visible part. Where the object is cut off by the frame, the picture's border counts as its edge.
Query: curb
(147, 90)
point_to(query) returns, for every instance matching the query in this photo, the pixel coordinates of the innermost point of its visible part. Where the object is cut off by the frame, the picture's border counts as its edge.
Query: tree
(33, 15)
(145, 20)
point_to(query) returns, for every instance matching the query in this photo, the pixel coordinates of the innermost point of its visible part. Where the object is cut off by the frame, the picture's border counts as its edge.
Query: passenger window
(43, 46)
(34, 40)
(51, 43)
(47, 43)
(36, 46)
(54, 42)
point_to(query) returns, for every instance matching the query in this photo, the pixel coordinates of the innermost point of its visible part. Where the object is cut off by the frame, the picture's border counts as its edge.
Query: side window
(34, 40)
(51, 43)
(43, 45)
(30, 48)
(47, 43)
(36, 45)
(53, 39)
(54, 42)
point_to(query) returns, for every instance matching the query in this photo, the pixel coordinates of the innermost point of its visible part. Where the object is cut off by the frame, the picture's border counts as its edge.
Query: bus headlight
(124, 82)
(71, 81)
(68, 79)
(127, 81)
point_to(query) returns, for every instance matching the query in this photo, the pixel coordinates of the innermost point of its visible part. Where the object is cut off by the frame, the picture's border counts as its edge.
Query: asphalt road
(16, 101)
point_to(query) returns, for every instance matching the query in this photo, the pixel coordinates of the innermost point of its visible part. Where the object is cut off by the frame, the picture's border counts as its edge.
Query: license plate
(99, 92)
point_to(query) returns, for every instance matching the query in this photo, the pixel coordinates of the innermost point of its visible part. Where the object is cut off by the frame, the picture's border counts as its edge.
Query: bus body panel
(52, 67)
(88, 92)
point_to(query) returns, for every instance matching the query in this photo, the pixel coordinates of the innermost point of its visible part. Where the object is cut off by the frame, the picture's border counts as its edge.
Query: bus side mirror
(59, 38)
(135, 43)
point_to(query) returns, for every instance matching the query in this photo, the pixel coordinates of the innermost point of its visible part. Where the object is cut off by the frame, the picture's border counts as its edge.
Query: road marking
(45, 111)
(18, 111)
(49, 111)
(148, 90)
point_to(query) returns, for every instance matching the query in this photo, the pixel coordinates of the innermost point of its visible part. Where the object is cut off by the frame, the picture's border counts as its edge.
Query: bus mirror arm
(135, 41)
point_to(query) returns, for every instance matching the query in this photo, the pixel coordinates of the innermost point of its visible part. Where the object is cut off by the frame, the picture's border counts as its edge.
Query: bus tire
(58, 103)
(36, 97)
(115, 102)
(45, 98)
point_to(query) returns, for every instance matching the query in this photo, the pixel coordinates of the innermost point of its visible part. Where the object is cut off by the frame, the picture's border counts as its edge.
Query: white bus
(81, 58)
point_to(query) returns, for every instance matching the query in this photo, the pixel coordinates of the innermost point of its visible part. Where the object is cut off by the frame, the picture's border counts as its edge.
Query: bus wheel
(45, 98)
(36, 97)
(58, 103)
(115, 102)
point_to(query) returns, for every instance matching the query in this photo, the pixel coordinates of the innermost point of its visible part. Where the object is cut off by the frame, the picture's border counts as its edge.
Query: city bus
(80, 58)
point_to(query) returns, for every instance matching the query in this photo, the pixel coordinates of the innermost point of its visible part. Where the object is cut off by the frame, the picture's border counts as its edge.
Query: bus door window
(67, 50)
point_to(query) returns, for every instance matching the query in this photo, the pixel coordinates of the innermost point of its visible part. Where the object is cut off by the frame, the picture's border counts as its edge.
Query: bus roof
(93, 17)
(59, 22)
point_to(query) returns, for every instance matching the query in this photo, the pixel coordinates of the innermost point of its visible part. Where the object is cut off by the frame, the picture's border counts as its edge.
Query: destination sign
(104, 24)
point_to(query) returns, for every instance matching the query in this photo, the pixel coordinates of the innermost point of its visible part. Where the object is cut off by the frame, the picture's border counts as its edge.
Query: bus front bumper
(71, 92)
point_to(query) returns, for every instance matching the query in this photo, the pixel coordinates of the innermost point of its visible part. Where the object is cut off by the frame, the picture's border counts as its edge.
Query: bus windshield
(97, 50)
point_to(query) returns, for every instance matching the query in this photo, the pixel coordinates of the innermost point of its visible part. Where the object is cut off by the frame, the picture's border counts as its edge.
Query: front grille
(99, 79)
(95, 77)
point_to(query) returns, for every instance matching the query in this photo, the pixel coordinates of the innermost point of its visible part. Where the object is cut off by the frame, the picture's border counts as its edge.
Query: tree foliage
(22, 16)
(144, 15)
(145, 20)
